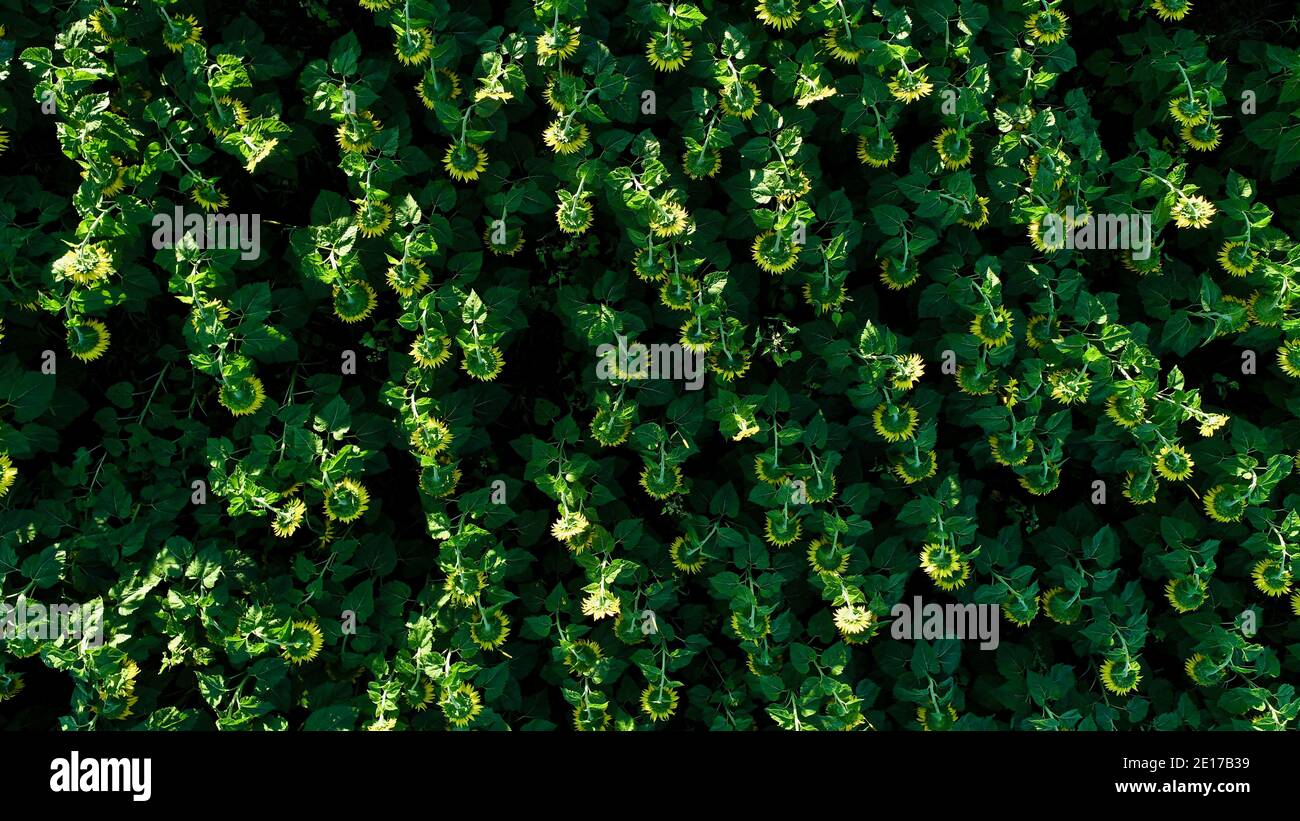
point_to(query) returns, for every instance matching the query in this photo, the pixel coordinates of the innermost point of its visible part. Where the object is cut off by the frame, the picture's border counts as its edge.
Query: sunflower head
(464, 161)
(346, 501)
(354, 301)
(1121, 675)
(372, 217)
(668, 51)
(877, 148)
(1047, 27)
(461, 705)
(302, 642)
(1186, 593)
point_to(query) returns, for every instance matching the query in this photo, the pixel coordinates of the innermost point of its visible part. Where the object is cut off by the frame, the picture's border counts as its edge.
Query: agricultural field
(578, 365)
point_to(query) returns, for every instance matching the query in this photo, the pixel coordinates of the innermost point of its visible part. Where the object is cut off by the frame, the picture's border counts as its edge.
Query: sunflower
(1237, 258)
(491, 632)
(1211, 423)
(118, 183)
(431, 350)
(582, 657)
(828, 557)
(483, 362)
(1295, 604)
(376, 5)
(4, 141)
(439, 479)
(438, 85)
(894, 422)
(660, 482)
(940, 561)
(413, 46)
(779, 530)
(1010, 451)
(357, 132)
(464, 161)
(512, 239)
(754, 626)
(106, 22)
(242, 396)
(1174, 463)
(910, 86)
(589, 718)
(701, 163)
(668, 219)
(460, 706)
(1047, 27)
(1188, 111)
(354, 301)
(1186, 593)
(994, 329)
(8, 473)
(601, 604)
(558, 43)
(1288, 358)
(976, 380)
(1271, 578)
(610, 426)
(779, 14)
(431, 436)
(824, 295)
(84, 265)
(1041, 482)
(87, 339)
(853, 620)
(1203, 137)
(729, 365)
(208, 196)
(227, 114)
(1020, 608)
(286, 520)
(406, 276)
(1126, 409)
(303, 642)
(1202, 670)
(668, 51)
(1059, 609)
(346, 501)
(372, 217)
(1069, 387)
(1193, 212)
(1045, 245)
(1171, 9)
(908, 370)
(566, 136)
(774, 253)
(981, 216)
(956, 581)
(739, 98)
(896, 278)
(936, 720)
(463, 586)
(955, 148)
(659, 701)
(686, 555)
(570, 525)
(180, 31)
(1121, 676)
(573, 215)
(1225, 503)
(916, 467)
(878, 148)
(841, 49)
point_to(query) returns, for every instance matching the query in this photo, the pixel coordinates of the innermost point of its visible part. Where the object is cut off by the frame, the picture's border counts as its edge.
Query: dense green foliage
(369, 474)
